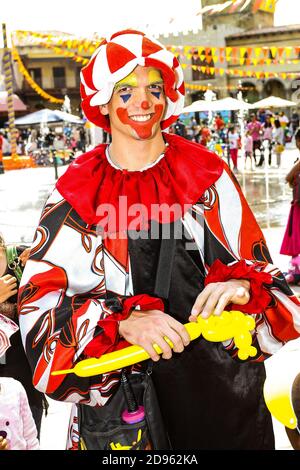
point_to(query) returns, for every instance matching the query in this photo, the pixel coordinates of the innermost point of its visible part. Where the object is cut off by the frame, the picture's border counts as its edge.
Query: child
(17, 427)
(233, 140)
(249, 150)
(14, 363)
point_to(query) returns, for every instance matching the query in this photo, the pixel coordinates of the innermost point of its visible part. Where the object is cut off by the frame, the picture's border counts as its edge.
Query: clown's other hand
(3, 443)
(215, 296)
(24, 256)
(144, 328)
(8, 287)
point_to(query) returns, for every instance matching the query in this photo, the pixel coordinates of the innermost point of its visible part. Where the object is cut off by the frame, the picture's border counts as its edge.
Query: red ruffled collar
(180, 177)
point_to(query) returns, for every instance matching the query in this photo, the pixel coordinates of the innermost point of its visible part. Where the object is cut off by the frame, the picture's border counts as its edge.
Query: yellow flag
(274, 52)
(288, 51)
(268, 6)
(257, 51)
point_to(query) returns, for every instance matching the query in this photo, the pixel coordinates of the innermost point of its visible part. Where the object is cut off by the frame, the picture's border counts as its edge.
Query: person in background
(219, 123)
(254, 128)
(179, 128)
(283, 119)
(17, 427)
(1, 154)
(233, 141)
(291, 240)
(267, 129)
(278, 137)
(205, 134)
(295, 121)
(14, 363)
(249, 151)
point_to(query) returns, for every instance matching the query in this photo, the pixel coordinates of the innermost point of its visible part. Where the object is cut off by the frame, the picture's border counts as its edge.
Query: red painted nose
(145, 105)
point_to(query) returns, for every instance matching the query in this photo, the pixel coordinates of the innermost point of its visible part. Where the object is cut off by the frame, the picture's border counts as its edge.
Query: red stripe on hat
(149, 47)
(117, 56)
(87, 73)
(126, 31)
(181, 89)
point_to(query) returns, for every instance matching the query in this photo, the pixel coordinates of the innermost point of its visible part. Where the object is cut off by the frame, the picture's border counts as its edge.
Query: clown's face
(137, 105)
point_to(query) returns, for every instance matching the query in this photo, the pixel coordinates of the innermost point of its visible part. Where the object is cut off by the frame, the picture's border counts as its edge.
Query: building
(234, 50)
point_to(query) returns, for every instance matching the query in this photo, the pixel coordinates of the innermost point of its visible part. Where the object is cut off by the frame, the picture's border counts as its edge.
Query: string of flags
(238, 6)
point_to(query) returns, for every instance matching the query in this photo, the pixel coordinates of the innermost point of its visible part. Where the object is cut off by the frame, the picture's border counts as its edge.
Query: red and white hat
(116, 58)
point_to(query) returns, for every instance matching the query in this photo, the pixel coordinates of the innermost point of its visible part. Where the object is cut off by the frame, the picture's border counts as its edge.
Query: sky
(107, 16)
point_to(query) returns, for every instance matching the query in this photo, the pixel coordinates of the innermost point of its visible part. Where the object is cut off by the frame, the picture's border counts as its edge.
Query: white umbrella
(273, 102)
(199, 105)
(230, 104)
(47, 116)
(225, 104)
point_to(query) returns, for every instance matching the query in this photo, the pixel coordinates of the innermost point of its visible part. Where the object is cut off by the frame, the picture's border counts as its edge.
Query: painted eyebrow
(124, 85)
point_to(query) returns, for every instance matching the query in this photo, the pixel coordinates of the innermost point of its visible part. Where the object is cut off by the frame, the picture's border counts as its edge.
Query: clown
(103, 275)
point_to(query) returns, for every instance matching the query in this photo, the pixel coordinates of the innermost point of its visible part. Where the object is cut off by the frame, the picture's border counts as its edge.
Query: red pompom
(259, 295)
(109, 340)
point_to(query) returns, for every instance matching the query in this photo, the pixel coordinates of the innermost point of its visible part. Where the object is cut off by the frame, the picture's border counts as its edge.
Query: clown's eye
(7, 423)
(156, 87)
(125, 89)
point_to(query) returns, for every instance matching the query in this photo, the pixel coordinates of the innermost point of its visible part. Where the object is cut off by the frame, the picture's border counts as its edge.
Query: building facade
(210, 57)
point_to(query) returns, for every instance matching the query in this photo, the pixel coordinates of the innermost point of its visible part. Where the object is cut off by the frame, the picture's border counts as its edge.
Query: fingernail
(204, 314)
(194, 311)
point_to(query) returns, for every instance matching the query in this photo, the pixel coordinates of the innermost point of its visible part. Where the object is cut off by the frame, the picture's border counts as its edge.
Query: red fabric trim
(180, 178)
(109, 340)
(259, 296)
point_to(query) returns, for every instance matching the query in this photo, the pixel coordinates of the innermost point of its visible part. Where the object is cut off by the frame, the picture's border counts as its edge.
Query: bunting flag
(256, 5)
(30, 80)
(209, 70)
(233, 6)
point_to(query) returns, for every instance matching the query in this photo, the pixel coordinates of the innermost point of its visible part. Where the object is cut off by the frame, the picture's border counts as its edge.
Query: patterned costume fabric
(72, 271)
(116, 58)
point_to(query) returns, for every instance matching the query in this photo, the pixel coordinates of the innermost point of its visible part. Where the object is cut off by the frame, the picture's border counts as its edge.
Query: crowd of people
(41, 142)
(261, 132)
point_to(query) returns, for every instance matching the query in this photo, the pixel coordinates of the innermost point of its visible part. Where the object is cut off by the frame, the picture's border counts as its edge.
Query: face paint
(145, 105)
(129, 81)
(156, 94)
(155, 78)
(142, 128)
(126, 97)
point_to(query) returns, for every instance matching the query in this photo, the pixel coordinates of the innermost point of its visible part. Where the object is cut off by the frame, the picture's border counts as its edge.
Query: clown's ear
(104, 109)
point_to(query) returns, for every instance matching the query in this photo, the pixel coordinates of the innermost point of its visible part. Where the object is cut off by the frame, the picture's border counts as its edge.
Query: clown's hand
(217, 295)
(145, 328)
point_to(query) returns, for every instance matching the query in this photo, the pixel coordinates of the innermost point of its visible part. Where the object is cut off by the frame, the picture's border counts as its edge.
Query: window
(36, 75)
(59, 77)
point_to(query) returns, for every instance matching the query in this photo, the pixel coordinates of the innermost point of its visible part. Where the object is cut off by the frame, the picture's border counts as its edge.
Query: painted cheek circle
(142, 128)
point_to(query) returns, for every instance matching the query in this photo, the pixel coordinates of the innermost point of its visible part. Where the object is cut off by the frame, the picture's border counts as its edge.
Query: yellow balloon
(282, 381)
(229, 325)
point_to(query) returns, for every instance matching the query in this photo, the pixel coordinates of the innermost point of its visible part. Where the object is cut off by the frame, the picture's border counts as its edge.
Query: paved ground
(23, 193)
